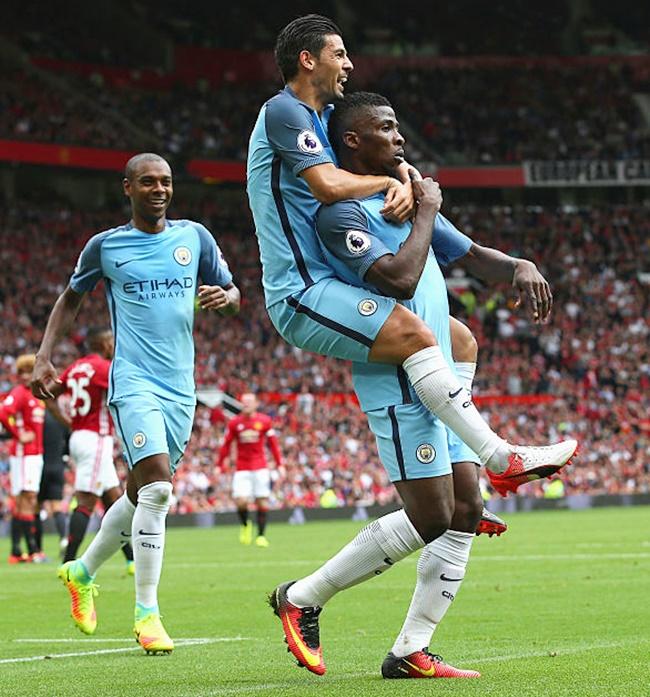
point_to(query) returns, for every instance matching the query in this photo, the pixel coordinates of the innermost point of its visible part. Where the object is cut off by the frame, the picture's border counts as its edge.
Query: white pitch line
(578, 556)
(98, 652)
(81, 640)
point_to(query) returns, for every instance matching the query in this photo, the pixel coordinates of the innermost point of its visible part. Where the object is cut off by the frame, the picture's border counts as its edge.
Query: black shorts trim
(397, 442)
(128, 458)
(330, 323)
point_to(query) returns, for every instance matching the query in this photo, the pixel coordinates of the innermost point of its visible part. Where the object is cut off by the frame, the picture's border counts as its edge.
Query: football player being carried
(91, 441)
(251, 430)
(418, 452)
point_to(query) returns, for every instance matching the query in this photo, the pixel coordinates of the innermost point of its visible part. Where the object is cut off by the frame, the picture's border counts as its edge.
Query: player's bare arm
(398, 275)
(494, 266)
(45, 377)
(224, 300)
(53, 406)
(329, 184)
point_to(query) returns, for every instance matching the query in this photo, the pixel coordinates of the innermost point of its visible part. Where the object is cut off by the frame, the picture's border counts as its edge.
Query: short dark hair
(345, 114)
(132, 164)
(302, 34)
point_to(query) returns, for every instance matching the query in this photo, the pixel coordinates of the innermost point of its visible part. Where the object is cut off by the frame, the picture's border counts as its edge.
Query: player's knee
(413, 337)
(464, 344)
(434, 523)
(156, 495)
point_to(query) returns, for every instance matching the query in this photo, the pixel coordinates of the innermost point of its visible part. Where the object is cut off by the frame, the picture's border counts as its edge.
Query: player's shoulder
(100, 237)
(184, 224)
(283, 105)
(333, 214)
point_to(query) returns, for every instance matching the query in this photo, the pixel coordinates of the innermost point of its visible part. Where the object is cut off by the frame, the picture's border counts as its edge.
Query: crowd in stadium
(592, 357)
(518, 113)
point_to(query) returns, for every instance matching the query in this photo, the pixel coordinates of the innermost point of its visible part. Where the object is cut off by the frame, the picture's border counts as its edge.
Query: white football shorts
(93, 458)
(25, 472)
(251, 484)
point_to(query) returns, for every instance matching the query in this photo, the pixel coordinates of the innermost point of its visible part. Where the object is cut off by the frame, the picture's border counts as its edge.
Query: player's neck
(307, 93)
(150, 226)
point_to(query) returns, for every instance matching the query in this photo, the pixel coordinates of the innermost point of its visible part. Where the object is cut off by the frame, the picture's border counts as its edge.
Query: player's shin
(148, 528)
(115, 530)
(374, 550)
(441, 569)
(78, 525)
(442, 393)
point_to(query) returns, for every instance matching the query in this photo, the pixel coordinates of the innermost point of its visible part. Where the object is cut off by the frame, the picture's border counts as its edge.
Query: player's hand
(399, 202)
(427, 191)
(534, 291)
(213, 298)
(26, 437)
(45, 380)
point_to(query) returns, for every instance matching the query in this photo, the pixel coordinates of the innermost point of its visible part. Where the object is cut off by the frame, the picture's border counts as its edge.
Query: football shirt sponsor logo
(308, 142)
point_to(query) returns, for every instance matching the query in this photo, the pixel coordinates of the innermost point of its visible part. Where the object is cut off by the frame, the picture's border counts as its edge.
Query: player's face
(25, 377)
(380, 144)
(332, 69)
(109, 345)
(150, 189)
(248, 403)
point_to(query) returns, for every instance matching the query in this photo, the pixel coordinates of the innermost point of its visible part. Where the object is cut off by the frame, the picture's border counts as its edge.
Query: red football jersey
(250, 434)
(20, 411)
(86, 381)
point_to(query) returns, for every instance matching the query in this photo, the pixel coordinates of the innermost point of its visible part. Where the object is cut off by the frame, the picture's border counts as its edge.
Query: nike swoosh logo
(428, 673)
(456, 393)
(451, 580)
(142, 532)
(124, 534)
(304, 650)
(121, 263)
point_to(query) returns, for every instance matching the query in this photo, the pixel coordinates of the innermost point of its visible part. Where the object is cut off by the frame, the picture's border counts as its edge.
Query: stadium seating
(592, 357)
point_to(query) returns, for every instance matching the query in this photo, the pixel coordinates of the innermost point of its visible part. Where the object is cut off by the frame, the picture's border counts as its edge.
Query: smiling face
(376, 141)
(331, 69)
(150, 189)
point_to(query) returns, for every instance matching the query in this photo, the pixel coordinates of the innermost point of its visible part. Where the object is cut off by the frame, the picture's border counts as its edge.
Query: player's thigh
(89, 451)
(178, 426)
(261, 484)
(51, 485)
(242, 484)
(25, 472)
(333, 319)
(139, 422)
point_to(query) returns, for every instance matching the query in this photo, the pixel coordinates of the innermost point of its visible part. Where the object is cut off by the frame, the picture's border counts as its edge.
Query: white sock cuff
(156, 496)
(424, 362)
(453, 547)
(396, 536)
(466, 372)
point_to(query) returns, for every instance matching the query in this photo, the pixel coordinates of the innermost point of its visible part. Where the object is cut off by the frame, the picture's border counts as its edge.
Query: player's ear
(306, 60)
(126, 186)
(351, 140)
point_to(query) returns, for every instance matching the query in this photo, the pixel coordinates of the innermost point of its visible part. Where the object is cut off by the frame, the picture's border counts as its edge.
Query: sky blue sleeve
(213, 267)
(88, 270)
(290, 130)
(344, 231)
(448, 242)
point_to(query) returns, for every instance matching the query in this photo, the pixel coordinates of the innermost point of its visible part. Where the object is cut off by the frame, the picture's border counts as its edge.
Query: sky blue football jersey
(288, 138)
(354, 235)
(151, 282)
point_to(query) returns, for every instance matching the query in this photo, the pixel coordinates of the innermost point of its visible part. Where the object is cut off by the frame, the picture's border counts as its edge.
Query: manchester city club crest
(308, 142)
(357, 242)
(183, 255)
(139, 439)
(367, 307)
(425, 453)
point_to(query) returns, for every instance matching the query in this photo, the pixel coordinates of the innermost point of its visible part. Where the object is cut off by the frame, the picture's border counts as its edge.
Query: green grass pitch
(558, 606)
